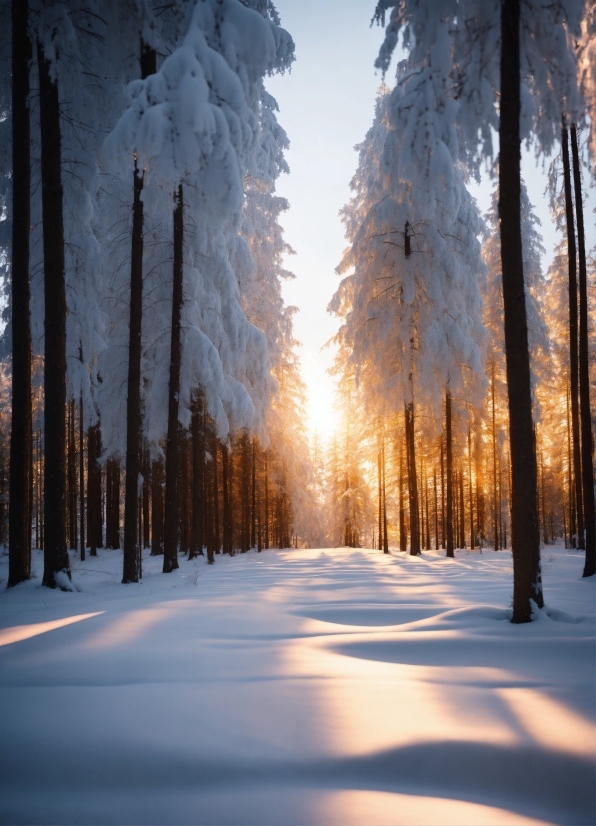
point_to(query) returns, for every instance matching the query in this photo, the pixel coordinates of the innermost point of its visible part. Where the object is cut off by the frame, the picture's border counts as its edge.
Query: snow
(299, 686)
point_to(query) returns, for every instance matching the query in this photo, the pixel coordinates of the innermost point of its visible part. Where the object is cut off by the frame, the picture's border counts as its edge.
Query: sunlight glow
(359, 807)
(23, 632)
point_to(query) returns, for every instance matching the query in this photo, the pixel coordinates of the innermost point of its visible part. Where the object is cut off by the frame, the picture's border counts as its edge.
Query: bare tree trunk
(266, 503)
(462, 512)
(413, 481)
(436, 511)
(449, 452)
(472, 535)
(573, 340)
(403, 539)
(527, 579)
(170, 559)
(19, 556)
(55, 555)
(495, 515)
(587, 442)
(198, 458)
(385, 536)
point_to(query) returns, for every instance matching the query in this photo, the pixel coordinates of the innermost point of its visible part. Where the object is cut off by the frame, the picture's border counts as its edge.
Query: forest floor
(332, 686)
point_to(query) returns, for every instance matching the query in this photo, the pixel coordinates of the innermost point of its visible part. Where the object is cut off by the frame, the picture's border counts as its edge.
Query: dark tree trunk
(19, 559)
(443, 498)
(146, 492)
(572, 526)
(132, 543)
(384, 500)
(170, 558)
(266, 504)
(131, 555)
(413, 481)
(436, 511)
(71, 476)
(472, 535)
(573, 339)
(495, 498)
(462, 513)
(584, 372)
(56, 554)
(113, 503)
(93, 489)
(403, 539)
(527, 580)
(157, 508)
(449, 452)
(198, 473)
(380, 498)
(81, 478)
(253, 503)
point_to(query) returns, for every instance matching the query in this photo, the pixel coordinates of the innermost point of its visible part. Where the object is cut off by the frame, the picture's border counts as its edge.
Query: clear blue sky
(326, 106)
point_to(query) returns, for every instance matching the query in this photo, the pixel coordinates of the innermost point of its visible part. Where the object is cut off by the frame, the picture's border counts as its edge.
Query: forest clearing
(302, 686)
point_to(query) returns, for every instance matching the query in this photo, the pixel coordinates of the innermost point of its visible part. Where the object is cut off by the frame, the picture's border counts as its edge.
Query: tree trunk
(196, 545)
(56, 554)
(19, 559)
(584, 373)
(253, 503)
(472, 535)
(157, 508)
(462, 511)
(527, 580)
(266, 504)
(93, 489)
(170, 558)
(413, 481)
(132, 543)
(403, 540)
(449, 452)
(495, 512)
(385, 537)
(81, 478)
(380, 499)
(573, 340)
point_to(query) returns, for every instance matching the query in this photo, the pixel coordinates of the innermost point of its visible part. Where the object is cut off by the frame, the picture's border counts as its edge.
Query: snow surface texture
(320, 686)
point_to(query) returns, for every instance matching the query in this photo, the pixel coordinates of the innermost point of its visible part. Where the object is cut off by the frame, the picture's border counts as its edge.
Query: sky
(326, 106)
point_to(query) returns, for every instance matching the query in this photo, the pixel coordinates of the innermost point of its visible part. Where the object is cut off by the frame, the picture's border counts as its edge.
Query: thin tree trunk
(266, 503)
(573, 341)
(495, 519)
(448, 447)
(157, 508)
(253, 508)
(443, 498)
(380, 499)
(82, 478)
(527, 579)
(196, 545)
(56, 555)
(385, 537)
(403, 540)
(472, 536)
(19, 557)
(587, 443)
(413, 482)
(462, 512)
(131, 562)
(170, 559)
(436, 511)
(572, 525)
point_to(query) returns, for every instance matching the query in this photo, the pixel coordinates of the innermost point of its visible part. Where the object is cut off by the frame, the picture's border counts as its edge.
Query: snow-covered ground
(320, 686)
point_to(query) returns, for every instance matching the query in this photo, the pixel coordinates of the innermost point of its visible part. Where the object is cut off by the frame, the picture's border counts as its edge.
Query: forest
(152, 379)
(155, 436)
